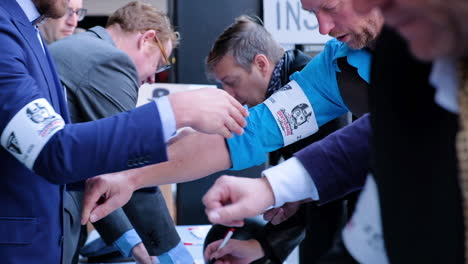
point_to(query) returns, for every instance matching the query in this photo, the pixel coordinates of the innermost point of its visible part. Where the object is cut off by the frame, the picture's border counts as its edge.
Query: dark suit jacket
(339, 164)
(414, 160)
(101, 81)
(30, 215)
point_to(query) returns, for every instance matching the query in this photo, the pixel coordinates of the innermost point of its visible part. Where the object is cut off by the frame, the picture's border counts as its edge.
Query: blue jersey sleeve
(262, 135)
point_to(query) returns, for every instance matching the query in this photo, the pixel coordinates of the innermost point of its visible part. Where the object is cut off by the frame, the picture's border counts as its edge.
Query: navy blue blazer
(30, 190)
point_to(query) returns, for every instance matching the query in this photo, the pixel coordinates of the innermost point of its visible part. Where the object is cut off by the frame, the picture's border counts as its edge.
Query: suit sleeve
(339, 163)
(60, 152)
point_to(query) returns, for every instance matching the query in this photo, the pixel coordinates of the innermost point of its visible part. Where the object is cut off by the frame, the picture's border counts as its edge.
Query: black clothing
(414, 160)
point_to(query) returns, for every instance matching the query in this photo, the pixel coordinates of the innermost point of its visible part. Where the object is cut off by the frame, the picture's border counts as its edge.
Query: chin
(355, 46)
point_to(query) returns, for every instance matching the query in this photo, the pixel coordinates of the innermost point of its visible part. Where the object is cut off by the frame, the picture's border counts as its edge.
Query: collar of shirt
(359, 58)
(275, 81)
(445, 80)
(30, 10)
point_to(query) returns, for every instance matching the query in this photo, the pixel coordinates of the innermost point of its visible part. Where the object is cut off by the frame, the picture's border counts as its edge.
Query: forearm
(191, 157)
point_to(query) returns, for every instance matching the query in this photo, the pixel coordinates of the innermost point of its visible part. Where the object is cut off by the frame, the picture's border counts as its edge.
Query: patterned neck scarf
(275, 81)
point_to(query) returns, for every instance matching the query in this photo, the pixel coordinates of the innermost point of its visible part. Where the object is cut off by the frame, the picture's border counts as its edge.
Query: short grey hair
(243, 39)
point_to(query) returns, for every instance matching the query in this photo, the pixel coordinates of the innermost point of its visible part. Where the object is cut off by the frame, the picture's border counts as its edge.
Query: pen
(224, 243)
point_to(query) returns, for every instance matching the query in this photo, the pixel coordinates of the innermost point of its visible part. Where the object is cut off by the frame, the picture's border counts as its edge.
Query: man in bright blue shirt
(318, 80)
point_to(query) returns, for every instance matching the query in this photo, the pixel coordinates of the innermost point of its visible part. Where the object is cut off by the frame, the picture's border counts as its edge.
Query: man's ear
(146, 39)
(262, 63)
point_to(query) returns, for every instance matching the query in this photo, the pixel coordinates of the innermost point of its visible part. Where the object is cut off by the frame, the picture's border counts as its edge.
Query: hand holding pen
(223, 243)
(234, 252)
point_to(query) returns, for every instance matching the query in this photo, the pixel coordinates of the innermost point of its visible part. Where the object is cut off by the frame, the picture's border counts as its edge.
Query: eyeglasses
(168, 64)
(79, 12)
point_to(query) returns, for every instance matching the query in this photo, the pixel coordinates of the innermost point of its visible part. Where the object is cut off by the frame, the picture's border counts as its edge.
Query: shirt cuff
(127, 242)
(291, 182)
(167, 117)
(178, 254)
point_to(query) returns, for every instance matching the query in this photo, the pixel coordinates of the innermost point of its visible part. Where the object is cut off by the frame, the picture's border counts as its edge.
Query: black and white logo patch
(285, 88)
(288, 122)
(38, 113)
(300, 114)
(293, 112)
(13, 145)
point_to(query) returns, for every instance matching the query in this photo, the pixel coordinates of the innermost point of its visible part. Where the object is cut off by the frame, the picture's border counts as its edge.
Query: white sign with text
(290, 24)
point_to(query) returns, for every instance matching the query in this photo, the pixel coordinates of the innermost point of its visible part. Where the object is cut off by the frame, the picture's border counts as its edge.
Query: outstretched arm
(194, 156)
(228, 202)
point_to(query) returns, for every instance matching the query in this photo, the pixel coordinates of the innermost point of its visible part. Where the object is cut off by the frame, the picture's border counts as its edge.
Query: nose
(325, 22)
(72, 19)
(151, 78)
(365, 6)
(229, 90)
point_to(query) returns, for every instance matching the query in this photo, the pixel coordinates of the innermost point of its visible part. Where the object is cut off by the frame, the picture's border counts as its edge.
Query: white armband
(293, 113)
(29, 131)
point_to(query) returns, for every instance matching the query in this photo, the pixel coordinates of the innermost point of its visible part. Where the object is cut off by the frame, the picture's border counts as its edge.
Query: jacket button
(131, 163)
(60, 241)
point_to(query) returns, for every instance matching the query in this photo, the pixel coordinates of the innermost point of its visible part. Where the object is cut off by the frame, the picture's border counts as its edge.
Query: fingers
(233, 127)
(104, 209)
(235, 122)
(94, 190)
(244, 112)
(141, 255)
(229, 215)
(279, 217)
(217, 200)
(238, 118)
(275, 216)
(231, 199)
(236, 113)
(269, 214)
(216, 195)
(218, 213)
(220, 253)
(211, 248)
(239, 114)
(225, 132)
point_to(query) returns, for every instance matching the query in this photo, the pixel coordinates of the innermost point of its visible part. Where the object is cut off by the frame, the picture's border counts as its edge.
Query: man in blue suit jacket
(42, 150)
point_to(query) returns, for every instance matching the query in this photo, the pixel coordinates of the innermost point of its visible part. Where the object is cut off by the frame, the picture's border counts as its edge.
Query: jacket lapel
(29, 33)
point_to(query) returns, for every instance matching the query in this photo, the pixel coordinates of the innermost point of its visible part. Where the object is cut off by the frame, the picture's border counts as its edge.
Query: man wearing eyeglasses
(102, 70)
(55, 29)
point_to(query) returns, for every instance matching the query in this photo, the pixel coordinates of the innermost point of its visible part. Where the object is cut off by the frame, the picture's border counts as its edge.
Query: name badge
(363, 236)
